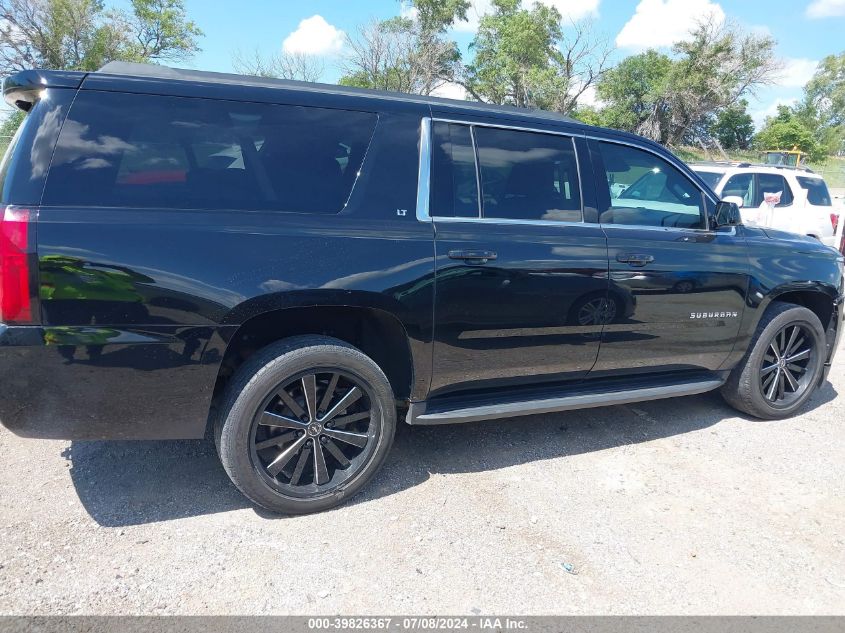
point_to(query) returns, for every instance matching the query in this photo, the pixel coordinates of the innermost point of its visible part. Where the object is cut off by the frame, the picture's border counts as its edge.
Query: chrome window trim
(424, 179)
(479, 200)
(424, 172)
(650, 150)
(512, 221)
(424, 184)
(668, 229)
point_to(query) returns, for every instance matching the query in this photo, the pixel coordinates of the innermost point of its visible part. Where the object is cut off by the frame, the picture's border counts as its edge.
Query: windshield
(711, 178)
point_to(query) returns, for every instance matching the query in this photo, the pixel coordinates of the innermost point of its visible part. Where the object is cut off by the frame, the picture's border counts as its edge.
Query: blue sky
(805, 30)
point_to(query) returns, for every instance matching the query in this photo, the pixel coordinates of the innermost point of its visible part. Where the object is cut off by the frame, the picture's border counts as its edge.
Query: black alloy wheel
(305, 423)
(784, 372)
(313, 432)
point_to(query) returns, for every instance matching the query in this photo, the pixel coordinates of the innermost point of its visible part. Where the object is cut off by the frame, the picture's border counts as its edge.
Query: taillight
(15, 302)
(834, 221)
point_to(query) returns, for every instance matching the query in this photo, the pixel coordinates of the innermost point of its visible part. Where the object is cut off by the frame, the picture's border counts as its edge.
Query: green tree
(635, 91)
(733, 127)
(673, 99)
(526, 57)
(823, 108)
(786, 130)
(8, 128)
(825, 92)
(84, 35)
(406, 54)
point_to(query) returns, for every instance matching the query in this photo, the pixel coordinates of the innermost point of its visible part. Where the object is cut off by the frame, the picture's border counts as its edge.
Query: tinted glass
(7, 159)
(454, 185)
(527, 175)
(646, 190)
(137, 150)
(817, 192)
(712, 178)
(769, 185)
(741, 185)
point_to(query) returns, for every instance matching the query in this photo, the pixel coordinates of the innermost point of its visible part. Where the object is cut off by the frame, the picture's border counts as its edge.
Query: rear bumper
(104, 383)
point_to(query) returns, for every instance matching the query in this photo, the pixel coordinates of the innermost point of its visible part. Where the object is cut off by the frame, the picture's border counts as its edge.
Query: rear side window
(528, 175)
(121, 150)
(768, 186)
(454, 184)
(817, 193)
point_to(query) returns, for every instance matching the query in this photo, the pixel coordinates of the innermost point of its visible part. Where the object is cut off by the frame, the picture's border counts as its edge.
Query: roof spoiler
(24, 88)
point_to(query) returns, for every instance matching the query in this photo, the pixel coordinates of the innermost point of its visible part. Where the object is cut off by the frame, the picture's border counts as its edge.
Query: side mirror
(737, 200)
(727, 214)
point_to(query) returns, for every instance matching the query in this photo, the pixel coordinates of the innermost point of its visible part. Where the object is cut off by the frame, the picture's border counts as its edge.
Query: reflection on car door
(521, 281)
(688, 283)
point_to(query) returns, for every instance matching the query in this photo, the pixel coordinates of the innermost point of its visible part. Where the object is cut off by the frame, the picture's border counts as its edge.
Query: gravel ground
(675, 506)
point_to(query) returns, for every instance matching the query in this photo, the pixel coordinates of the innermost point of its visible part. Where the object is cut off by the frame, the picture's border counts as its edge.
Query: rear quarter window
(817, 193)
(27, 159)
(122, 150)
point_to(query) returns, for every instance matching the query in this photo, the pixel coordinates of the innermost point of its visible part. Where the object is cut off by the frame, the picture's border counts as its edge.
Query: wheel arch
(817, 298)
(378, 333)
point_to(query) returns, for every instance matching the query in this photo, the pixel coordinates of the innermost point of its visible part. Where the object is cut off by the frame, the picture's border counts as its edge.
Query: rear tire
(782, 367)
(304, 424)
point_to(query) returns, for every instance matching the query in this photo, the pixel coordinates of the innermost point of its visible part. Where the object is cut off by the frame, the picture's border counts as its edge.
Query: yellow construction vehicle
(789, 158)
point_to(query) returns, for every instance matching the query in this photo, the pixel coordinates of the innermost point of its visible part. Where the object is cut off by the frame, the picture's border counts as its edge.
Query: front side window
(773, 187)
(121, 150)
(528, 175)
(645, 190)
(817, 193)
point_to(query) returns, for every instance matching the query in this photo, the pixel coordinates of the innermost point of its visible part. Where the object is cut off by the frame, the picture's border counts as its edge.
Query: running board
(423, 413)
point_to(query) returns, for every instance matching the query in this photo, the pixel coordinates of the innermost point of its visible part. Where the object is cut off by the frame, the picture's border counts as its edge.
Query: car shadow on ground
(132, 483)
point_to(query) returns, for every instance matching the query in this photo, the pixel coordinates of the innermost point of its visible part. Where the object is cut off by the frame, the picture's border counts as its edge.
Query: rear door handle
(475, 257)
(634, 259)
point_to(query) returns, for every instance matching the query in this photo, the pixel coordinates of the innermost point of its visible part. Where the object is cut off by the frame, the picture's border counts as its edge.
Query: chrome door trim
(424, 182)
(424, 177)
(424, 173)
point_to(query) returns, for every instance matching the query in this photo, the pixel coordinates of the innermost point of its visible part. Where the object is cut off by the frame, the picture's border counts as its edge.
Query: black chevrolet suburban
(287, 267)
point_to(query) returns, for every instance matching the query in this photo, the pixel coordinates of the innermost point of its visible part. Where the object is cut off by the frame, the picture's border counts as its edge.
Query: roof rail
(131, 69)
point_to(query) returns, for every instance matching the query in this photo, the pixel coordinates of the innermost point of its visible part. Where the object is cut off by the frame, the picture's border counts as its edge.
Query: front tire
(305, 423)
(783, 366)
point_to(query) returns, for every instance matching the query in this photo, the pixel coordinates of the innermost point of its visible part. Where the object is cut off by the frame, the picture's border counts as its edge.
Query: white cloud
(408, 10)
(450, 90)
(590, 98)
(569, 9)
(659, 23)
(477, 9)
(826, 8)
(762, 114)
(796, 72)
(572, 9)
(314, 36)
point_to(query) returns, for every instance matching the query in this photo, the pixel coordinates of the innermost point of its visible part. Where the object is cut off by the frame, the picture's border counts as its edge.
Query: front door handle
(634, 259)
(474, 257)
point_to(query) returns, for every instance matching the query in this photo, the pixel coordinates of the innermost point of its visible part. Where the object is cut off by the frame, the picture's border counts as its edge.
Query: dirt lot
(673, 506)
